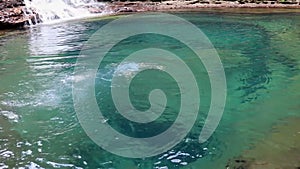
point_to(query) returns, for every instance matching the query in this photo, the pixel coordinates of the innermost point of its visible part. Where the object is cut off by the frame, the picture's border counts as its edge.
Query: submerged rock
(240, 163)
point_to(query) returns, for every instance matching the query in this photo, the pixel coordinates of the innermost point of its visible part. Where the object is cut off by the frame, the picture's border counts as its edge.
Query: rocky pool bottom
(279, 149)
(259, 128)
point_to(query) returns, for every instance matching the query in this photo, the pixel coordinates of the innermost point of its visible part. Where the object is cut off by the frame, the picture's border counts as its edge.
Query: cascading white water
(49, 11)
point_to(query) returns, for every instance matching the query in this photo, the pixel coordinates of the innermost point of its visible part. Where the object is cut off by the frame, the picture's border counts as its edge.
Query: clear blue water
(39, 127)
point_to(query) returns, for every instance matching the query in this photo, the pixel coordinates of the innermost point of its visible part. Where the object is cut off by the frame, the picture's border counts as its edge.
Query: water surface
(38, 124)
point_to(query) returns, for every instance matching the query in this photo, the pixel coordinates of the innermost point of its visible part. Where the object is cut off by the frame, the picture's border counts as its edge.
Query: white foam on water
(127, 69)
(25, 153)
(10, 115)
(33, 165)
(3, 166)
(6, 154)
(54, 11)
(61, 165)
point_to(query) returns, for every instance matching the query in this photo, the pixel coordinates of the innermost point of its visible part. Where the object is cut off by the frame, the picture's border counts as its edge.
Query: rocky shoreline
(13, 13)
(194, 4)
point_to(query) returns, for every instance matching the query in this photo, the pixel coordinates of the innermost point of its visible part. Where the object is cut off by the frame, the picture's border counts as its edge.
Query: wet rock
(204, 2)
(127, 9)
(123, 7)
(11, 14)
(96, 10)
(239, 163)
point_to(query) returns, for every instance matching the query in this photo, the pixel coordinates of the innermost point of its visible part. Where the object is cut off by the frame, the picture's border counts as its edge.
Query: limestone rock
(11, 14)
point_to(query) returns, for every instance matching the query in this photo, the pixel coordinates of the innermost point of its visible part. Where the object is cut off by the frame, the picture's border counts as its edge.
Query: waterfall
(49, 11)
